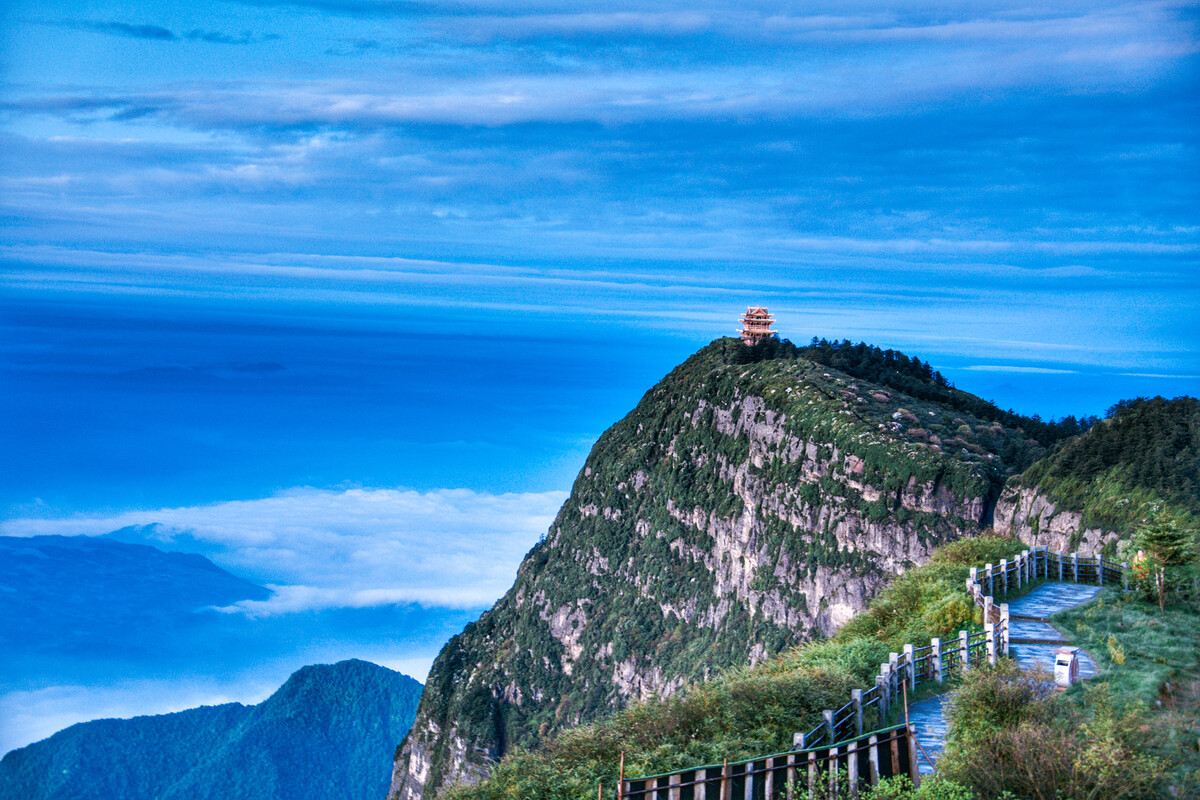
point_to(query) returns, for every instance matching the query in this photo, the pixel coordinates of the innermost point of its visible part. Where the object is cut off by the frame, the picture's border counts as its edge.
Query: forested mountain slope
(327, 734)
(753, 499)
(1098, 487)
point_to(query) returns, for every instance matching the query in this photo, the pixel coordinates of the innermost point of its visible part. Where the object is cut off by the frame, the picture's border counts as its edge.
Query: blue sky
(299, 255)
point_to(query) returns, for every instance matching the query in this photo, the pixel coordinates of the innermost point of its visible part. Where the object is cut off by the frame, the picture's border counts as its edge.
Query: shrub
(1012, 735)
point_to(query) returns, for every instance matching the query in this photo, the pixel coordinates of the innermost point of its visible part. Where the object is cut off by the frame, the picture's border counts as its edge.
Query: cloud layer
(346, 549)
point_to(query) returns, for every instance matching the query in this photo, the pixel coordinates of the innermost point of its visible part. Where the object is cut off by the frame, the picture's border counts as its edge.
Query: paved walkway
(929, 714)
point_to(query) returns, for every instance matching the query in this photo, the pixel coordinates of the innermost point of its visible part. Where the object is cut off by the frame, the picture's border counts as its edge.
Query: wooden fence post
(1059, 556)
(1100, 568)
(748, 785)
(769, 779)
(724, 793)
(673, 787)
(851, 768)
(1075, 565)
(894, 674)
(1125, 574)
(989, 606)
(621, 778)
(812, 773)
(914, 769)
(964, 649)
(873, 759)
(798, 741)
(827, 714)
(1004, 573)
(912, 667)
(989, 630)
(856, 699)
(1004, 626)
(791, 778)
(700, 790)
(991, 579)
(881, 693)
(935, 659)
(833, 772)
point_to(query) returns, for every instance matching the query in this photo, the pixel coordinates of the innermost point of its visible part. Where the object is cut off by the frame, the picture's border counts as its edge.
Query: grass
(1151, 658)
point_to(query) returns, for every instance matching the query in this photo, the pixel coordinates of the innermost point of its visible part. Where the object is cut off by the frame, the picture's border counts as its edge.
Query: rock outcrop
(738, 510)
(1031, 516)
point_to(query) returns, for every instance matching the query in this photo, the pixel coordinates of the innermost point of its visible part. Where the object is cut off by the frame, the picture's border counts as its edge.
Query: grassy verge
(1150, 658)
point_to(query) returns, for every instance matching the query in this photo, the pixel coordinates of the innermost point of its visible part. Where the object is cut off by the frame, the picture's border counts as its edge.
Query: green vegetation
(1150, 657)
(1168, 554)
(1129, 733)
(327, 734)
(1012, 736)
(750, 711)
(895, 370)
(1144, 456)
(931, 600)
(698, 534)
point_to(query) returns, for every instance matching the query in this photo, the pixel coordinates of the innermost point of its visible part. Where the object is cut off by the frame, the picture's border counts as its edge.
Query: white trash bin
(1066, 666)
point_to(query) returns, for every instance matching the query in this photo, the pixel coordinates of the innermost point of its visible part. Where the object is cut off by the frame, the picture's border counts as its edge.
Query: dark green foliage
(327, 733)
(1126, 466)
(739, 715)
(1169, 549)
(895, 370)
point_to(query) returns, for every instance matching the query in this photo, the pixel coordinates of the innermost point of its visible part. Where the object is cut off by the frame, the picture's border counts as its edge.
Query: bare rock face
(738, 510)
(1031, 516)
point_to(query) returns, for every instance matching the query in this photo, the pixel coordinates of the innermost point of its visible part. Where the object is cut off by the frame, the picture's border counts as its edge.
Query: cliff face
(737, 510)
(1036, 519)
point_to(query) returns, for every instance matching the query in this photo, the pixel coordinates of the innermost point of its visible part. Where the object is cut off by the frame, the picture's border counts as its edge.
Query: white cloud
(1008, 368)
(355, 548)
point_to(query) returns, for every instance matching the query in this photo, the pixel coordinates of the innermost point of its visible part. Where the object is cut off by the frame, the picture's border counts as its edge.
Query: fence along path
(852, 738)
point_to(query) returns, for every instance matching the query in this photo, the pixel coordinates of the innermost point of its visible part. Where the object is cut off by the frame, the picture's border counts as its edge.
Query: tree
(1168, 543)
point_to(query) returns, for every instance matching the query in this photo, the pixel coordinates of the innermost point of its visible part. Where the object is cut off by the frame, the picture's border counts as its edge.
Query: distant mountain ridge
(327, 734)
(73, 594)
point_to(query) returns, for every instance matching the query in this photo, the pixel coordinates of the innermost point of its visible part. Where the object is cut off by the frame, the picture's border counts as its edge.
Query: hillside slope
(1098, 487)
(738, 509)
(327, 734)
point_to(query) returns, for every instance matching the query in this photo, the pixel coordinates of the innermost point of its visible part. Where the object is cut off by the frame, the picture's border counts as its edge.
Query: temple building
(756, 325)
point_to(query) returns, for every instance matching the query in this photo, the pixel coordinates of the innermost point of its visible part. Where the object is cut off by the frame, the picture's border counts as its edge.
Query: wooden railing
(1045, 563)
(839, 738)
(839, 768)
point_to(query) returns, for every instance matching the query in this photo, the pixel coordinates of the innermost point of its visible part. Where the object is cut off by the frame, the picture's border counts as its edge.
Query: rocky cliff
(738, 509)
(1037, 519)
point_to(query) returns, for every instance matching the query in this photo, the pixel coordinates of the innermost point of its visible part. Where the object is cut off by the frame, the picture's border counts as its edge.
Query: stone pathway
(929, 714)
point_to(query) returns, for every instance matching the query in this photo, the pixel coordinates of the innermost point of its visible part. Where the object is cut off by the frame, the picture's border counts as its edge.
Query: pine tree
(1169, 544)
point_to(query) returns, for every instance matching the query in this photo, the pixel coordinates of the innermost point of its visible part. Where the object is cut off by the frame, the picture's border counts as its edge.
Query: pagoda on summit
(756, 325)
